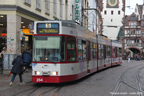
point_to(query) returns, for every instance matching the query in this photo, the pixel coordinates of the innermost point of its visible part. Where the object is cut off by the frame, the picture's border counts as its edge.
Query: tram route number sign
(47, 31)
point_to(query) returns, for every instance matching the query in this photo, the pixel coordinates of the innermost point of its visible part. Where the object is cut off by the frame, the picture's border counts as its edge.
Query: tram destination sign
(47, 28)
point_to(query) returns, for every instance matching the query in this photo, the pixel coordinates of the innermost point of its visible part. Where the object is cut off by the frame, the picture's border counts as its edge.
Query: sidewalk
(5, 80)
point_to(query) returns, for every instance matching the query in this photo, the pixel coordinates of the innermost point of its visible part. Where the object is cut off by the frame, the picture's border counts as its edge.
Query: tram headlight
(37, 72)
(54, 73)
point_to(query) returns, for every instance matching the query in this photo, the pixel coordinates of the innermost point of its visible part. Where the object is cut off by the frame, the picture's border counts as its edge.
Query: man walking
(27, 58)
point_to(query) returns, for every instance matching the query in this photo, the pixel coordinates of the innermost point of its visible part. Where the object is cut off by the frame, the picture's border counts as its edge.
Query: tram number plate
(39, 79)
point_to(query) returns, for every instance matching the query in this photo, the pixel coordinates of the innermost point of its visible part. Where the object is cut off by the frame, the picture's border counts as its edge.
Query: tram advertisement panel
(47, 28)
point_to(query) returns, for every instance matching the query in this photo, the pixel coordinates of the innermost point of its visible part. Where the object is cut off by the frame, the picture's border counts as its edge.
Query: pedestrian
(128, 58)
(4, 51)
(17, 69)
(26, 56)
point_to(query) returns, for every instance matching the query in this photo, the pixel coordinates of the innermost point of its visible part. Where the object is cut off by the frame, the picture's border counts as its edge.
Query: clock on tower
(112, 3)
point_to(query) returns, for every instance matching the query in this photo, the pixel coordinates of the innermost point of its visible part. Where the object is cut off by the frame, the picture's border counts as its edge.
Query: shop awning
(27, 31)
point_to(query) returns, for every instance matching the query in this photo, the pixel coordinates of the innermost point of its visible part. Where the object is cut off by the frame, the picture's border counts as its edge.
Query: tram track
(139, 90)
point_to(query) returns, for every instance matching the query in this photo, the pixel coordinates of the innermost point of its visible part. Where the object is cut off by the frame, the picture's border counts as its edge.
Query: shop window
(26, 38)
(71, 48)
(81, 50)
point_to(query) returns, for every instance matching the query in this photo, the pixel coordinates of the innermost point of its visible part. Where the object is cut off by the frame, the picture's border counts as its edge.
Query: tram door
(87, 53)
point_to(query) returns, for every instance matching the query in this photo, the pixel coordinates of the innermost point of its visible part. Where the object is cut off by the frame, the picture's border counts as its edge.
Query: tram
(78, 52)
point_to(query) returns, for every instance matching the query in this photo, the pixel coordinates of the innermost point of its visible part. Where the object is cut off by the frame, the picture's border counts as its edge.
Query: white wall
(112, 32)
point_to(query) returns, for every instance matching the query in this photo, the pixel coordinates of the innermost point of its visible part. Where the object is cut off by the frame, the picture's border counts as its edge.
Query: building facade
(16, 16)
(134, 32)
(112, 16)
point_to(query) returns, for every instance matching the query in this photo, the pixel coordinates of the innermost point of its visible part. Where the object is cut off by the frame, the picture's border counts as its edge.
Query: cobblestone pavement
(98, 84)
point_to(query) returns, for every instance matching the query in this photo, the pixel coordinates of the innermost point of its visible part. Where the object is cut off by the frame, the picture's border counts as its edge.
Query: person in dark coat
(17, 68)
(26, 56)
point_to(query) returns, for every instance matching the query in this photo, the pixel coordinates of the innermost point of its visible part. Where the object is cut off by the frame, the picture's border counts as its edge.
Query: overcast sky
(132, 4)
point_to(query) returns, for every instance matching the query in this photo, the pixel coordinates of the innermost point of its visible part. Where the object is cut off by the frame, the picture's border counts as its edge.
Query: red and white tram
(78, 52)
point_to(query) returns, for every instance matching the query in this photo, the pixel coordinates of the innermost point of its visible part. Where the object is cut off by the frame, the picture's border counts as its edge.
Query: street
(124, 80)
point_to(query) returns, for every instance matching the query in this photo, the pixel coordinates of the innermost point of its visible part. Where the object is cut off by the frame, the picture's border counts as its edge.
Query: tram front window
(49, 48)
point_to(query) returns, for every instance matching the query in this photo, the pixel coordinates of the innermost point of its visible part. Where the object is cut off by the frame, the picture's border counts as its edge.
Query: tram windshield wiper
(53, 62)
(35, 61)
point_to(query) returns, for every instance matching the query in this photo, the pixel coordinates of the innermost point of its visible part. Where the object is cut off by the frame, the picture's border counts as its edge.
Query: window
(54, 8)
(105, 12)
(27, 2)
(38, 5)
(142, 23)
(118, 12)
(73, 12)
(46, 46)
(111, 12)
(61, 9)
(132, 32)
(114, 52)
(132, 23)
(81, 50)
(93, 51)
(108, 51)
(71, 48)
(137, 32)
(119, 52)
(137, 40)
(66, 10)
(143, 34)
(101, 51)
(47, 7)
(128, 32)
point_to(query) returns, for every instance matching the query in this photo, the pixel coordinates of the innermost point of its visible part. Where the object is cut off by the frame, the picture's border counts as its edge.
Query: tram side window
(71, 48)
(93, 50)
(81, 50)
(108, 51)
(114, 52)
(101, 51)
(119, 52)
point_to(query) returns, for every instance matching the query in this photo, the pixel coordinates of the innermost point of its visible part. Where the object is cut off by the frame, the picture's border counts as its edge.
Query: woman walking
(17, 69)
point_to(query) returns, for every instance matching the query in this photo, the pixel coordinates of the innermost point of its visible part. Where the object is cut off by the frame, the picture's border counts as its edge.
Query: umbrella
(9, 74)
